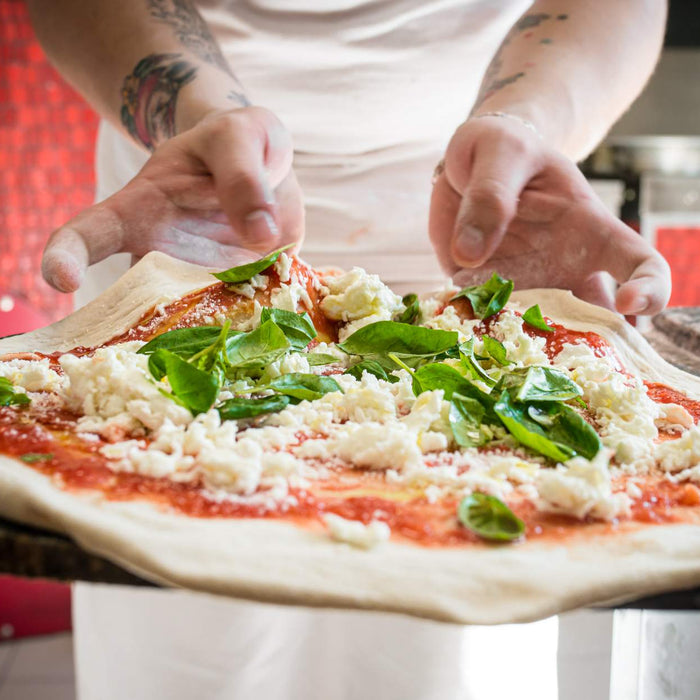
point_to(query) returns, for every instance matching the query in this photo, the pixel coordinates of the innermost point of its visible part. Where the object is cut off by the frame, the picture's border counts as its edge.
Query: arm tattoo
(493, 82)
(149, 97)
(191, 30)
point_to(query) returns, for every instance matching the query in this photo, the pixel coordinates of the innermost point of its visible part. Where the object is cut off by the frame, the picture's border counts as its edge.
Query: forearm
(150, 66)
(572, 68)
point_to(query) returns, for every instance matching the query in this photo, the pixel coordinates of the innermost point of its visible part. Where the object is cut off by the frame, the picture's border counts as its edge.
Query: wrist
(205, 97)
(552, 122)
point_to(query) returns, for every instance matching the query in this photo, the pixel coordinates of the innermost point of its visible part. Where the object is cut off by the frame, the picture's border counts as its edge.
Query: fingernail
(260, 226)
(470, 244)
(641, 305)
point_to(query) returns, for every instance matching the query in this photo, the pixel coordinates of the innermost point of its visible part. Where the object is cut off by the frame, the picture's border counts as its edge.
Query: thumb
(249, 155)
(498, 174)
(90, 237)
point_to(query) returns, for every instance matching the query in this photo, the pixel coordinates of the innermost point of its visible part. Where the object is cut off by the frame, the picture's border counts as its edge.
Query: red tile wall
(47, 135)
(681, 247)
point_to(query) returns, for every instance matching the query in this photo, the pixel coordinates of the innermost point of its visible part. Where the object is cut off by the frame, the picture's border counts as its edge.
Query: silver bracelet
(527, 124)
(440, 167)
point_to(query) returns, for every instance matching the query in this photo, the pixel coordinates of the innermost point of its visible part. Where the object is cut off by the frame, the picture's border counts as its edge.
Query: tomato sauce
(201, 308)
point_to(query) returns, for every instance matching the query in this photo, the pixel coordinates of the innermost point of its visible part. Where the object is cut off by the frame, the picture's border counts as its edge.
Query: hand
(508, 203)
(209, 196)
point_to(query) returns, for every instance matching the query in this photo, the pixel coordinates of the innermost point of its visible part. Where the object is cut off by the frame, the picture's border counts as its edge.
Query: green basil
(412, 344)
(316, 359)
(441, 376)
(489, 298)
(240, 407)
(558, 433)
(9, 396)
(466, 416)
(471, 365)
(193, 388)
(533, 317)
(412, 310)
(490, 518)
(299, 328)
(214, 358)
(34, 457)
(303, 387)
(496, 350)
(547, 384)
(243, 273)
(373, 367)
(259, 348)
(185, 342)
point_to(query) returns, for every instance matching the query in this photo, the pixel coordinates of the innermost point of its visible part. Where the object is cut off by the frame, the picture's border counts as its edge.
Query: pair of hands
(224, 191)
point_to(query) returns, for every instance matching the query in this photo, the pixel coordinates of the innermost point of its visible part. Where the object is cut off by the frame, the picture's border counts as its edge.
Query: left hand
(508, 203)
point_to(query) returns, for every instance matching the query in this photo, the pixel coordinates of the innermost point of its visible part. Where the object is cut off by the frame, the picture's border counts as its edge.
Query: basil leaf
(412, 310)
(413, 343)
(316, 359)
(214, 358)
(566, 435)
(240, 407)
(469, 362)
(373, 367)
(303, 387)
(299, 328)
(533, 317)
(489, 298)
(193, 388)
(185, 342)
(34, 457)
(441, 376)
(259, 348)
(547, 384)
(490, 518)
(9, 396)
(466, 415)
(242, 273)
(496, 350)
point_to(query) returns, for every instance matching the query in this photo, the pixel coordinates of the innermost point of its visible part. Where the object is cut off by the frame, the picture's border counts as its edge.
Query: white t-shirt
(371, 91)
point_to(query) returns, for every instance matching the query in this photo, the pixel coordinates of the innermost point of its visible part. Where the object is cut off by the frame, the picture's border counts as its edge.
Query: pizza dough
(275, 561)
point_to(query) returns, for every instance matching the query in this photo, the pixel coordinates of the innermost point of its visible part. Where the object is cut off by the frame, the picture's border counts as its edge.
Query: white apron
(371, 90)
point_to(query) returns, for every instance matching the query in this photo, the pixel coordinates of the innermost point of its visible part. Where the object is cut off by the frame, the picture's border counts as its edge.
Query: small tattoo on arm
(149, 97)
(191, 30)
(493, 80)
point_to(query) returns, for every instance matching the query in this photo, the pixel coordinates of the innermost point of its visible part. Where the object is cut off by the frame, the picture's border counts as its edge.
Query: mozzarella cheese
(682, 453)
(624, 413)
(31, 375)
(581, 488)
(116, 394)
(358, 298)
(248, 289)
(356, 533)
(522, 349)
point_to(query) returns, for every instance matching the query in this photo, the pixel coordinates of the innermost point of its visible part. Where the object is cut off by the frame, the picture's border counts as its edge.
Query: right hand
(209, 196)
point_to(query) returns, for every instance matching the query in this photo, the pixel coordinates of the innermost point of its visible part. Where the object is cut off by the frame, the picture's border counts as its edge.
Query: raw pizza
(285, 435)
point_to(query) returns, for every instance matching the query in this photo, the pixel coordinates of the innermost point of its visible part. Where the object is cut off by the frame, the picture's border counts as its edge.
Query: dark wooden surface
(35, 553)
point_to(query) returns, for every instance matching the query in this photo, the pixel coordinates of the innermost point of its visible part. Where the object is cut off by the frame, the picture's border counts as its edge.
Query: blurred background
(647, 170)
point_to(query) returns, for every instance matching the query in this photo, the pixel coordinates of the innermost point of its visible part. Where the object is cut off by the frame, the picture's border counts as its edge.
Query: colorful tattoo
(493, 81)
(149, 97)
(191, 30)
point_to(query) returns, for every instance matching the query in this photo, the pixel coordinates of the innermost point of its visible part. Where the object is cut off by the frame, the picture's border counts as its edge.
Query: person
(374, 94)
